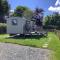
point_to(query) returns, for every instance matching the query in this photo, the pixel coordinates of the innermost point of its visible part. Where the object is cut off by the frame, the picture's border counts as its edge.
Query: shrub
(3, 28)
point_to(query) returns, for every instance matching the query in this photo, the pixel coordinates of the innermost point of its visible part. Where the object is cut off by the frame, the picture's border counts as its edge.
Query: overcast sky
(47, 5)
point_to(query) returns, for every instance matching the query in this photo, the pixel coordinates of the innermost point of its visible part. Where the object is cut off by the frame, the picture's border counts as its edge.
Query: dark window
(14, 22)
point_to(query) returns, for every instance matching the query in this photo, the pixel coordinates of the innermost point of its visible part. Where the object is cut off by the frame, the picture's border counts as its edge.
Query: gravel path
(18, 52)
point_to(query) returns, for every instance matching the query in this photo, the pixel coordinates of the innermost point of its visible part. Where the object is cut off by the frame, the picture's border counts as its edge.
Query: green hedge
(3, 28)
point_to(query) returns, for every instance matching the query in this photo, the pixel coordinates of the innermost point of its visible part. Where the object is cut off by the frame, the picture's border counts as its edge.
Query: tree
(48, 20)
(21, 11)
(39, 10)
(53, 20)
(38, 16)
(4, 9)
(1, 8)
(28, 14)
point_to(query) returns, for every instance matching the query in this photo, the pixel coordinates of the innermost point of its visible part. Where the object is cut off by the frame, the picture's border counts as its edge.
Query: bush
(3, 28)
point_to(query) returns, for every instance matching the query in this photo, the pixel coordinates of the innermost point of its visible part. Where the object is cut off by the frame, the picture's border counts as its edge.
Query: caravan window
(14, 22)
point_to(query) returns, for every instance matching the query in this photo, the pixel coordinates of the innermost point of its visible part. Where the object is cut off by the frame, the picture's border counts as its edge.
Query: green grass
(34, 42)
(53, 44)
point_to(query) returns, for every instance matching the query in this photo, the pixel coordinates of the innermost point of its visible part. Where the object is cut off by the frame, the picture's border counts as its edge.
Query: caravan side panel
(16, 28)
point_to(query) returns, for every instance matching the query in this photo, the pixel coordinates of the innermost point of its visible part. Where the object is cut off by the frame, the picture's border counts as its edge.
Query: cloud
(57, 2)
(54, 9)
(12, 11)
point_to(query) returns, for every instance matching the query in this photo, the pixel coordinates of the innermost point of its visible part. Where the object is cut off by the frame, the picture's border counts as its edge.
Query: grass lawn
(51, 42)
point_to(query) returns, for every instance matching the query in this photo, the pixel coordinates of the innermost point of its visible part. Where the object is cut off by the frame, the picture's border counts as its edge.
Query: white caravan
(18, 25)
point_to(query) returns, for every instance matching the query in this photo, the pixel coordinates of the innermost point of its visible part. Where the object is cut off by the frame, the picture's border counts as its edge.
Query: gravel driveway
(18, 52)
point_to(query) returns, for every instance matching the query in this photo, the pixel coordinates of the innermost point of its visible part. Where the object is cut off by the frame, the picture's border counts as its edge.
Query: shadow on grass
(27, 37)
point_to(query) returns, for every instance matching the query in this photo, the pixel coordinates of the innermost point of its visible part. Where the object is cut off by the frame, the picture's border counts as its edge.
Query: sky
(32, 4)
(55, 8)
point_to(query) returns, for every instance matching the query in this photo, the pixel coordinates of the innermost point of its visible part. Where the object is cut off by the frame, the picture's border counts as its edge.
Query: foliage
(39, 12)
(53, 21)
(22, 11)
(4, 9)
(38, 16)
(28, 14)
(2, 28)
